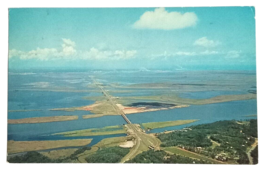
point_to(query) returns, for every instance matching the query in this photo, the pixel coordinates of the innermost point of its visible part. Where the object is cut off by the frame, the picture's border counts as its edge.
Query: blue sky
(216, 38)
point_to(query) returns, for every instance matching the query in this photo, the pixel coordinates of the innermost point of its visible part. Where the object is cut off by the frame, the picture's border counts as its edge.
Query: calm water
(209, 94)
(205, 113)
(38, 90)
(29, 131)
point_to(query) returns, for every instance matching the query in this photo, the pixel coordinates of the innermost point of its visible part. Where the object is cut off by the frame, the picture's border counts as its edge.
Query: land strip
(108, 142)
(58, 154)
(95, 131)
(119, 129)
(153, 125)
(42, 119)
(25, 146)
(185, 101)
(253, 146)
(180, 151)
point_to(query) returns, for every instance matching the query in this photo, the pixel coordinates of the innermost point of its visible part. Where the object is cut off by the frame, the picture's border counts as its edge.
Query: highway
(142, 140)
(111, 101)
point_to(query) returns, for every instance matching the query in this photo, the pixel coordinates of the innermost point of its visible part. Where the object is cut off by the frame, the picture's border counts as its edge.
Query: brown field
(25, 146)
(42, 119)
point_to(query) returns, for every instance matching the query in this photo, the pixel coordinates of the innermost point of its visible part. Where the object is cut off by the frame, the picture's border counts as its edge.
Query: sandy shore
(128, 144)
(131, 110)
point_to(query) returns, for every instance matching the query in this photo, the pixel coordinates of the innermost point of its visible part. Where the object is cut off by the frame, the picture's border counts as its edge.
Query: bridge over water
(111, 101)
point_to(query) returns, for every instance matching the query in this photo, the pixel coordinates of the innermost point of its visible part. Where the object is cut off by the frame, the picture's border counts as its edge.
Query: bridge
(111, 101)
(143, 141)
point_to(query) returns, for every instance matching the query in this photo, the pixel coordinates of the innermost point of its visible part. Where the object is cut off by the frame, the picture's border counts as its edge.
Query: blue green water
(208, 113)
(48, 90)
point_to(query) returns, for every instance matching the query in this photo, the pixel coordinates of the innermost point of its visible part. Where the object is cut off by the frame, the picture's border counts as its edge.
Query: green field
(118, 129)
(189, 154)
(185, 101)
(153, 125)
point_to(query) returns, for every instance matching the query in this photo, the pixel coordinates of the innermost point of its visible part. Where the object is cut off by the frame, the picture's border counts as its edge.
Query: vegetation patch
(42, 119)
(161, 156)
(25, 146)
(110, 142)
(254, 155)
(32, 157)
(173, 99)
(108, 155)
(153, 125)
(233, 138)
(182, 152)
(59, 154)
(118, 129)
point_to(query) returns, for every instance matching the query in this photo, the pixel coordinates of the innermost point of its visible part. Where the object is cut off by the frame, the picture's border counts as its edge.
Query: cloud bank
(68, 51)
(205, 42)
(233, 54)
(186, 53)
(95, 53)
(164, 20)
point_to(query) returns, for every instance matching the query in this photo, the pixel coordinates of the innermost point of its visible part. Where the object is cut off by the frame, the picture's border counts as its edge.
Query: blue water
(208, 94)
(27, 131)
(45, 113)
(34, 91)
(95, 140)
(23, 100)
(205, 113)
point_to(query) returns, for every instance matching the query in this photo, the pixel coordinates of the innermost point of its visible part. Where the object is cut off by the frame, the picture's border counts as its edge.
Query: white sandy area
(127, 144)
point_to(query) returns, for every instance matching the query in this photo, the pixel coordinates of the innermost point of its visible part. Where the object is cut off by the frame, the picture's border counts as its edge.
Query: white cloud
(95, 53)
(68, 51)
(68, 47)
(207, 52)
(182, 53)
(233, 54)
(205, 42)
(162, 19)
(41, 54)
(186, 53)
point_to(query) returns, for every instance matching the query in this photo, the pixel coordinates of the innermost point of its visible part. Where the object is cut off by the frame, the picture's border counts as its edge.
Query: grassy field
(179, 151)
(153, 125)
(93, 116)
(118, 129)
(25, 146)
(104, 107)
(95, 131)
(99, 108)
(110, 142)
(59, 154)
(184, 101)
(81, 157)
(42, 119)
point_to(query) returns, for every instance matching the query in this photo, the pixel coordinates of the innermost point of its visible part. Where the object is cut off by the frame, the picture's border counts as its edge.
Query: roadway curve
(142, 140)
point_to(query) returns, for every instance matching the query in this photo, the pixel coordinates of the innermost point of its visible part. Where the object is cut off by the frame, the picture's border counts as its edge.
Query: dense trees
(79, 151)
(222, 140)
(36, 157)
(254, 155)
(108, 155)
(31, 157)
(232, 137)
(152, 156)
